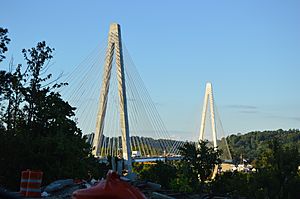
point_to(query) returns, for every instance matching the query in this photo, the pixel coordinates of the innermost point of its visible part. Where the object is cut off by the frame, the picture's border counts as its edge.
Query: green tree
(198, 163)
(160, 172)
(276, 177)
(185, 181)
(4, 41)
(202, 158)
(231, 183)
(278, 168)
(37, 130)
(252, 144)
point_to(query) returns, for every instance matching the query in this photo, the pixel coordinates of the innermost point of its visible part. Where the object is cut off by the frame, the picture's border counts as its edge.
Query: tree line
(276, 174)
(250, 145)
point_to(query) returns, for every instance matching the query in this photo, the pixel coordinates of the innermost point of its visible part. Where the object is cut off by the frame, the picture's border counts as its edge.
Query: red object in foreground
(31, 183)
(111, 188)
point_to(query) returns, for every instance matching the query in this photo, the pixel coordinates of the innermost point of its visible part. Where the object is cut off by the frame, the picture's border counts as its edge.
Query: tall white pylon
(208, 98)
(114, 48)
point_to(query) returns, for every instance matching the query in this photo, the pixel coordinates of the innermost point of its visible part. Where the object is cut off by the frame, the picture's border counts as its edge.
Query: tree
(160, 172)
(235, 184)
(4, 41)
(11, 98)
(276, 177)
(198, 163)
(201, 158)
(252, 144)
(37, 130)
(278, 170)
(185, 181)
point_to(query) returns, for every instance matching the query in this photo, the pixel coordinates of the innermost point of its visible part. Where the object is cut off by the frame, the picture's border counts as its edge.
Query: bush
(160, 172)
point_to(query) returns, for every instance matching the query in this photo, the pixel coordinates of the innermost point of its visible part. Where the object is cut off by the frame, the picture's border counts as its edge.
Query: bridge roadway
(149, 159)
(161, 158)
(154, 159)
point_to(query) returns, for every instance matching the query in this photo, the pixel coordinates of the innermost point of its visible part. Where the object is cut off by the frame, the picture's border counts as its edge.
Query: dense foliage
(276, 174)
(276, 177)
(198, 164)
(187, 175)
(4, 41)
(36, 126)
(160, 172)
(250, 145)
(201, 158)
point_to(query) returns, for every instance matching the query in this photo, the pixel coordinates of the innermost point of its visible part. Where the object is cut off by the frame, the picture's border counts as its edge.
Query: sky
(249, 50)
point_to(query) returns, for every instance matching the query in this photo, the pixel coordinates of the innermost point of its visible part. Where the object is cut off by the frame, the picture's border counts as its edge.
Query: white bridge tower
(114, 47)
(208, 98)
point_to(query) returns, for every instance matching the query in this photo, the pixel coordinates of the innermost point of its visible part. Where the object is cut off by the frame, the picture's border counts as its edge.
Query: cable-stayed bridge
(126, 120)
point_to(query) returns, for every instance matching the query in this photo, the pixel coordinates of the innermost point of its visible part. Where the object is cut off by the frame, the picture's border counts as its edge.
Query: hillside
(247, 146)
(251, 144)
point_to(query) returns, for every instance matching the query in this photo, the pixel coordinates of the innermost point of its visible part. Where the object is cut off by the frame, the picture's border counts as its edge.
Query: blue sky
(249, 50)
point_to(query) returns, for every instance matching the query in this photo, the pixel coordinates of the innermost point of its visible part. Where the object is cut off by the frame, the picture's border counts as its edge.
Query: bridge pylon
(208, 98)
(114, 48)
